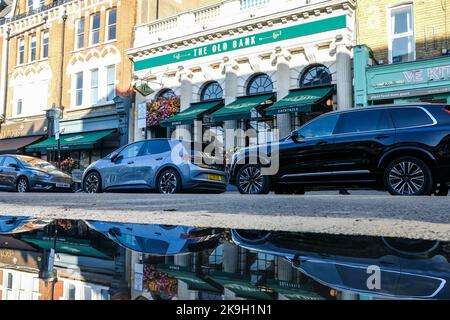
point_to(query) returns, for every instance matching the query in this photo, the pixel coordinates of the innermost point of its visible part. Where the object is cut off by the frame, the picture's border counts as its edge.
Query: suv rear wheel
(408, 176)
(250, 180)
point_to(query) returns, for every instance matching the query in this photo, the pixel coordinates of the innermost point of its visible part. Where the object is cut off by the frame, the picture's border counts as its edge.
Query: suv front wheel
(408, 176)
(250, 180)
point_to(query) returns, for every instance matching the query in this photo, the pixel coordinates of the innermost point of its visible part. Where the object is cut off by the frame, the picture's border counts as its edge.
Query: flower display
(161, 109)
(69, 164)
(159, 283)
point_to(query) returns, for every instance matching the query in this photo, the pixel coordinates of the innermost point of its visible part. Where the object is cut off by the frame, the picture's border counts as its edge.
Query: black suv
(402, 148)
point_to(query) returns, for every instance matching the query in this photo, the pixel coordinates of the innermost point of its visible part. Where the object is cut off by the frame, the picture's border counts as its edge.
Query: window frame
(108, 83)
(92, 30)
(96, 87)
(306, 72)
(391, 32)
(143, 144)
(206, 87)
(108, 26)
(45, 36)
(381, 110)
(337, 115)
(33, 40)
(21, 53)
(77, 89)
(430, 116)
(253, 80)
(79, 34)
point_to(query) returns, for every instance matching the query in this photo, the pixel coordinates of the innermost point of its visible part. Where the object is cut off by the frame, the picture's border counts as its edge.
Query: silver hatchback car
(168, 166)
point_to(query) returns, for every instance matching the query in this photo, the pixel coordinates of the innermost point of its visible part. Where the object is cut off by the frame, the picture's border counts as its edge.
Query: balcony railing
(248, 4)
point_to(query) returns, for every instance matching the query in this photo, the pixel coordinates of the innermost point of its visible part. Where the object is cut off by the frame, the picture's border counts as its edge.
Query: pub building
(271, 69)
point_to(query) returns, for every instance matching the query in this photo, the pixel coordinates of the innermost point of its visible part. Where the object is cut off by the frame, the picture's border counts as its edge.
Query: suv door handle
(132, 162)
(382, 137)
(159, 159)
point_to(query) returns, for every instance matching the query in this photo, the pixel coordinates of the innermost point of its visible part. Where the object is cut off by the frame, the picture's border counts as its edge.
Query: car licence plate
(214, 177)
(62, 185)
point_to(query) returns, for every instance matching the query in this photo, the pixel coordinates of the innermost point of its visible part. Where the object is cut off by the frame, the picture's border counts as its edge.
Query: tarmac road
(371, 213)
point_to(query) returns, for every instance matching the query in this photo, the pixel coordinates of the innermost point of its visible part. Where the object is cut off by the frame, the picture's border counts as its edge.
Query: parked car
(407, 269)
(14, 225)
(158, 240)
(402, 148)
(168, 166)
(24, 174)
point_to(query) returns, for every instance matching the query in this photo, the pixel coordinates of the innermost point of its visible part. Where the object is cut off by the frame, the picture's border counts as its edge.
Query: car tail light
(447, 109)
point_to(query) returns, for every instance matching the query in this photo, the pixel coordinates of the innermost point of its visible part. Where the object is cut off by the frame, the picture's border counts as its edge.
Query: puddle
(102, 261)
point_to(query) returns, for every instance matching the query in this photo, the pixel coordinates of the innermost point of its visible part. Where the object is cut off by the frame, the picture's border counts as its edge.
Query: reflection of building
(230, 61)
(86, 266)
(226, 272)
(68, 55)
(404, 52)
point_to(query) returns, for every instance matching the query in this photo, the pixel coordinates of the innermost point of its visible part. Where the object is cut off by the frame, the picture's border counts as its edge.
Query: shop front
(14, 138)
(425, 80)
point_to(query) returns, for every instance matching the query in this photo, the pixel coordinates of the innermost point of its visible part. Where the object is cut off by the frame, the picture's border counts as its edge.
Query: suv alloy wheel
(408, 176)
(92, 183)
(250, 180)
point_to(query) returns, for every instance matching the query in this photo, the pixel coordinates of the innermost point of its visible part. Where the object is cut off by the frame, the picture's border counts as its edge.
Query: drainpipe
(4, 77)
(60, 106)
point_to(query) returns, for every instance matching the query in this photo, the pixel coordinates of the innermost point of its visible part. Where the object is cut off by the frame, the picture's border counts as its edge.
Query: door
(121, 172)
(9, 173)
(154, 155)
(361, 138)
(2, 185)
(311, 155)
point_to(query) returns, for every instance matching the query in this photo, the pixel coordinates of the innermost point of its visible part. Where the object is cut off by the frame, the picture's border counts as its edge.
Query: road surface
(361, 214)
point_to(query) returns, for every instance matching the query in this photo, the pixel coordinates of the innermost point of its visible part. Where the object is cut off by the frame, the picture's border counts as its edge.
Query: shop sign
(32, 128)
(268, 37)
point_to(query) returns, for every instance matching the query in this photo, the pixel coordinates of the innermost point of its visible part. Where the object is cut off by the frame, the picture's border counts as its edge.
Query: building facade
(66, 60)
(239, 64)
(403, 52)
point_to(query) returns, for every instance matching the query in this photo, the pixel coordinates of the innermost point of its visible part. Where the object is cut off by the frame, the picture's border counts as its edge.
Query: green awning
(76, 247)
(293, 291)
(188, 116)
(74, 141)
(301, 100)
(191, 279)
(241, 108)
(240, 286)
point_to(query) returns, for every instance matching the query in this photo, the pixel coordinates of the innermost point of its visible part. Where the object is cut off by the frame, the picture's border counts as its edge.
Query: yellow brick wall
(126, 13)
(431, 26)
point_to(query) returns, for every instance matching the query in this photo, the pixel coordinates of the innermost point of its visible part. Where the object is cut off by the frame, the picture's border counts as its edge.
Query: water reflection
(89, 260)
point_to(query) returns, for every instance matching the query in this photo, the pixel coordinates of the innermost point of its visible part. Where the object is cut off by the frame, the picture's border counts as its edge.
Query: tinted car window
(131, 151)
(8, 161)
(1, 161)
(320, 127)
(410, 117)
(364, 121)
(156, 147)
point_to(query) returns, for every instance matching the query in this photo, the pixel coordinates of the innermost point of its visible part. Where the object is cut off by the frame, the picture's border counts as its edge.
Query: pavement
(361, 213)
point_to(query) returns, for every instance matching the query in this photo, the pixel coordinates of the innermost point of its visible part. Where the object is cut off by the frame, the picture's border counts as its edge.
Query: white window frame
(110, 83)
(108, 26)
(76, 89)
(20, 40)
(92, 87)
(45, 35)
(79, 290)
(33, 39)
(392, 36)
(91, 33)
(78, 34)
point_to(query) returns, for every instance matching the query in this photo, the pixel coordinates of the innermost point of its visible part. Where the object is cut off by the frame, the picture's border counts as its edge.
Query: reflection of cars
(158, 240)
(165, 165)
(13, 225)
(420, 270)
(404, 149)
(24, 174)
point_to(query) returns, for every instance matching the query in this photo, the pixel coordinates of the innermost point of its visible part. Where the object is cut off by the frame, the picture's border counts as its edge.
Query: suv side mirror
(13, 165)
(296, 137)
(115, 157)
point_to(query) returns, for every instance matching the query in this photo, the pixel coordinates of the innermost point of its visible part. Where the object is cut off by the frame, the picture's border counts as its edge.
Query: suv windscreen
(321, 127)
(132, 150)
(410, 117)
(364, 121)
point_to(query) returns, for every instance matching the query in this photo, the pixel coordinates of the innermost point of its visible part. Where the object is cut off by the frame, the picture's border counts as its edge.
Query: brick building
(66, 58)
(403, 53)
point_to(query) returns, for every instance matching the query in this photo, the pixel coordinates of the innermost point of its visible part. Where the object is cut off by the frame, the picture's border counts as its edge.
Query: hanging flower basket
(161, 109)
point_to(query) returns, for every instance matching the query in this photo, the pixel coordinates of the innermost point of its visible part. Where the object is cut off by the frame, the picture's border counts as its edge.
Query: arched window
(260, 83)
(166, 94)
(211, 91)
(316, 75)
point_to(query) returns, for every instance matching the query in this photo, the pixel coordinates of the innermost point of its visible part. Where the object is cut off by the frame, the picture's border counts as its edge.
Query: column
(344, 77)
(284, 79)
(4, 75)
(185, 102)
(230, 91)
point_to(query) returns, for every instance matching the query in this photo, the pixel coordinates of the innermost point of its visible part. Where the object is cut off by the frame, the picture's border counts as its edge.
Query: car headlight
(40, 174)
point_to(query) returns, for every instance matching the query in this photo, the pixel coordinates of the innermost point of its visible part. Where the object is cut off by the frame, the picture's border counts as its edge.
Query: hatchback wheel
(408, 176)
(250, 180)
(22, 185)
(92, 183)
(169, 182)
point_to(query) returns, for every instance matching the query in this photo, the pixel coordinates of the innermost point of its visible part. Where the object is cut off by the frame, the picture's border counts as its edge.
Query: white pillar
(230, 91)
(344, 77)
(185, 102)
(4, 75)
(284, 82)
